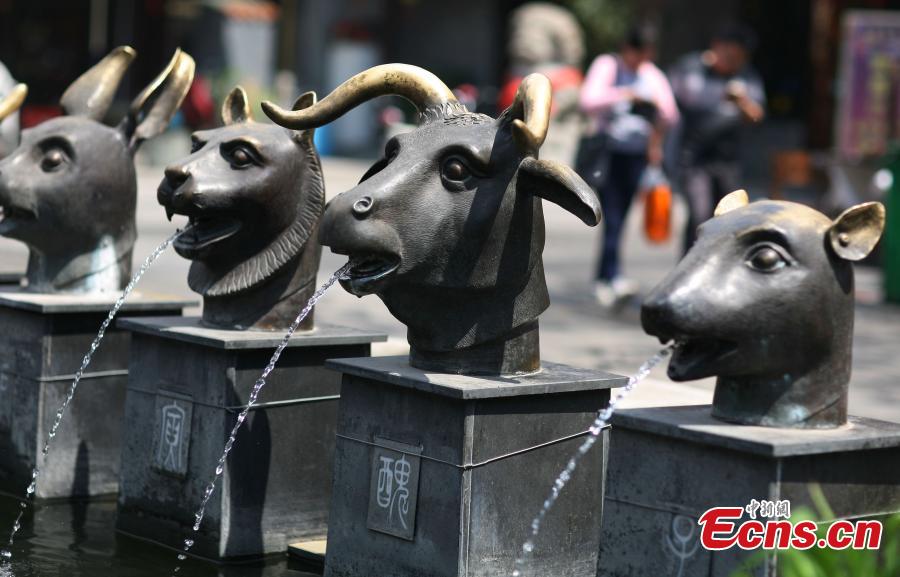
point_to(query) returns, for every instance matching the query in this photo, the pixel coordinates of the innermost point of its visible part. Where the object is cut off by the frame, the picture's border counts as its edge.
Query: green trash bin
(891, 248)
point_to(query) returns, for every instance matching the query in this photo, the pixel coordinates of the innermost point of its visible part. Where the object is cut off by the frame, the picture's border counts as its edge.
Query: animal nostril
(363, 206)
(177, 175)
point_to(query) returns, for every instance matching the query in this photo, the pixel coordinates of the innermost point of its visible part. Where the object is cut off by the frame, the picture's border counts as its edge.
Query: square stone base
(42, 343)
(188, 384)
(310, 553)
(10, 279)
(441, 475)
(668, 465)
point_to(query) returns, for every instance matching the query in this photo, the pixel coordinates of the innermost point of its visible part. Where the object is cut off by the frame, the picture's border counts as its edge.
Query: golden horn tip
(13, 101)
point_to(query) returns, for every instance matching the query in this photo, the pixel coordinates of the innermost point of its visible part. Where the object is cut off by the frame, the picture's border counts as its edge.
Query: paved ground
(574, 330)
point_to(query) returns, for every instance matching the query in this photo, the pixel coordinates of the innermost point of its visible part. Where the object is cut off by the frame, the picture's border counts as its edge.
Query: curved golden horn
(425, 90)
(530, 112)
(13, 101)
(92, 92)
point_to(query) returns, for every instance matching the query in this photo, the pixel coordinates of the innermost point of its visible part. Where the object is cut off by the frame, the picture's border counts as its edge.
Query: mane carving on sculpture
(253, 194)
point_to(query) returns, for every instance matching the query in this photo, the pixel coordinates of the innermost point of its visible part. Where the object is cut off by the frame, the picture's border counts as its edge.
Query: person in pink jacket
(630, 104)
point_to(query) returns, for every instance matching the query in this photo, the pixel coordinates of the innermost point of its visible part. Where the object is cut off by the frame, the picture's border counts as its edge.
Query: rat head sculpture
(764, 301)
(447, 229)
(69, 190)
(253, 194)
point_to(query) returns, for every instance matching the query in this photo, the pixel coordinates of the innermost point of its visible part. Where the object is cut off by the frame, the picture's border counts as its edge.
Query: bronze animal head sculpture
(69, 190)
(253, 194)
(447, 229)
(764, 301)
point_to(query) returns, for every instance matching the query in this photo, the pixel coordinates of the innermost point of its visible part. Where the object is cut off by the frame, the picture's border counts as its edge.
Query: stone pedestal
(42, 342)
(10, 279)
(187, 386)
(669, 465)
(440, 475)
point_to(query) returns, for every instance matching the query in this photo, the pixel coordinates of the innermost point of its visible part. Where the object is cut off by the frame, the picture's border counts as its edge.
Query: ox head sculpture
(69, 190)
(764, 301)
(447, 228)
(253, 194)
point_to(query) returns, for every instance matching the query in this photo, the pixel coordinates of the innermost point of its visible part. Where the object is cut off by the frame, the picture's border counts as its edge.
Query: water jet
(254, 193)
(438, 451)
(764, 301)
(69, 193)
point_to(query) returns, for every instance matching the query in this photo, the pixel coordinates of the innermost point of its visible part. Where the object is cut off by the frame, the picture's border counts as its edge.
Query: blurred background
(830, 71)
(279, 48)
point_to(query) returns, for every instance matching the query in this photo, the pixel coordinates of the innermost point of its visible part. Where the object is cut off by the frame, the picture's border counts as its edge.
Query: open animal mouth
(696, 357)
(205, 231)
(367, 271)
(10, 216)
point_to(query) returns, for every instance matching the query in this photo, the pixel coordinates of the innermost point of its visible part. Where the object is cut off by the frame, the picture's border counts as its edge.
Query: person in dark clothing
(717, 93)
(631, 104)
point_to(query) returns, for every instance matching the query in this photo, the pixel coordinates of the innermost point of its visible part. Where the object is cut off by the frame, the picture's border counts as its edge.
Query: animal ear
(155, 106)
(560, 185)
(732, 200)
(305, 100)
(13, 101)
(236, 107)
(856, 231)
(92, 92)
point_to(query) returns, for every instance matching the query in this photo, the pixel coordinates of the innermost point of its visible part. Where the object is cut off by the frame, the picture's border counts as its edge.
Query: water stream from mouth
(566, 475)
(6, 554)
(254, 394)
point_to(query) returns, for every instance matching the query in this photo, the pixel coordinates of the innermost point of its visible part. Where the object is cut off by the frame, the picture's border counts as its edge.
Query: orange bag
(658, 212)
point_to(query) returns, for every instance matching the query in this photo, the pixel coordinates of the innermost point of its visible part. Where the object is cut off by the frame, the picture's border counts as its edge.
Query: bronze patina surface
(764, 301)
(69, 190)
(447, 228)
(254, 194)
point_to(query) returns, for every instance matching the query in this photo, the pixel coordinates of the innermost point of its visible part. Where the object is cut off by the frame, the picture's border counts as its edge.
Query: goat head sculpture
(254, 194)
(69, 190)
(764, 301)
(447, 229)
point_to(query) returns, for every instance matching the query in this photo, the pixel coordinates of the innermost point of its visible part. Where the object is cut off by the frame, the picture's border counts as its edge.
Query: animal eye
(240, 157)
(196, 145)
(52, 160)
(455, 170)
(766, 259)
